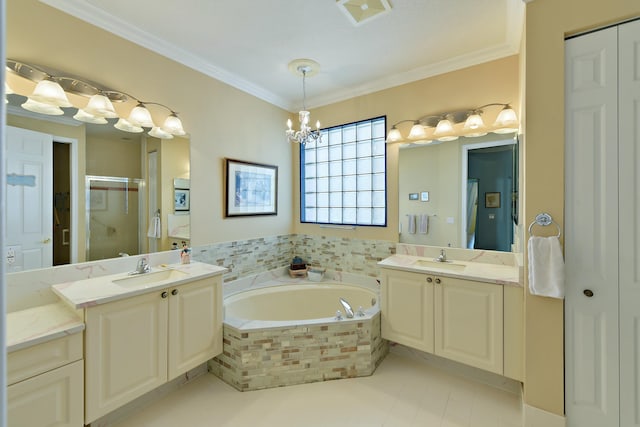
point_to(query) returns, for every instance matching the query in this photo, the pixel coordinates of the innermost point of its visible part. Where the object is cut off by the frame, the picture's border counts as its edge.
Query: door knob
(47, 240)
(429, 280)
(174, 292)
(438, 281)
(164, 294)
(588, 293)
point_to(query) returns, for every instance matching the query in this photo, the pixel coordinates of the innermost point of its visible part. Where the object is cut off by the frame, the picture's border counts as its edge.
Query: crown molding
(87, 12)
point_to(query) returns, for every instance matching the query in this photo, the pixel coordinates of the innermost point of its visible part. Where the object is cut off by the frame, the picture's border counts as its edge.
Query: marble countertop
(101, 290)
(40, 324)
(482, 272)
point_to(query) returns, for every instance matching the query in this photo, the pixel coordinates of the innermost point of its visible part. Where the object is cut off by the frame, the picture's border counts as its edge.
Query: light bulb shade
(42, 108)
(50, 92)
(507, 121)
(443, 128)
(173, 125)
(156, 132)
(100, 106)
(140, 116)
(126, 126)
(394, 135)
(417, 132)
(473, 122)
(83, 116)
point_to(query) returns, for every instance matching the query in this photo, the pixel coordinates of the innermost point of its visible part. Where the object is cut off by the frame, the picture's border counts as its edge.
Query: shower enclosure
(114, 207)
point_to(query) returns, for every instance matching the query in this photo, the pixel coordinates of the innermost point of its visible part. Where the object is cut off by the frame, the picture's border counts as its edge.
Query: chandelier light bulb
(417, 131)
(289, 123)
(394, 135)
(507, 121)
(474, 125)
(50, 92)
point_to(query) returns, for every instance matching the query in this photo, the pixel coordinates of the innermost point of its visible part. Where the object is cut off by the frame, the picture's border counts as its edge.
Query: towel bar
(544, 219)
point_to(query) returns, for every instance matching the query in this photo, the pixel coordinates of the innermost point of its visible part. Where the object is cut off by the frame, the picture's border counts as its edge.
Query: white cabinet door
(126, 351)
(51, 399)
(407, 309)
(468, 322)
(195, 325)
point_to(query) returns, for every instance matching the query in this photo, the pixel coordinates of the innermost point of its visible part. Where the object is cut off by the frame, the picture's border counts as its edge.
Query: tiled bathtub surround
(275, 357)
(250, 257)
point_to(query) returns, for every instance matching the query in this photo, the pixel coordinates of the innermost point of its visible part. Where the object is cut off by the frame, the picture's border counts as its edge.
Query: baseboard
(146, 399)
(535, 417)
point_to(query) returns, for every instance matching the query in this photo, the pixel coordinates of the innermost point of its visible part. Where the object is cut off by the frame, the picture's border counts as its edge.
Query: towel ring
(544, 219)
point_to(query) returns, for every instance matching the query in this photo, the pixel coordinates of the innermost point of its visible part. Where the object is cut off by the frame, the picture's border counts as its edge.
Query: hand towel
(423, 224)
(546, 267)
(154, 231)
(411, 229)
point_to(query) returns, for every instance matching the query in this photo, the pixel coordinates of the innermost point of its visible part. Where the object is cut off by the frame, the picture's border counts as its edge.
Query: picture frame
(413, 196)
(181, 200)
(492, 199)
(251, 189)
(424, 196)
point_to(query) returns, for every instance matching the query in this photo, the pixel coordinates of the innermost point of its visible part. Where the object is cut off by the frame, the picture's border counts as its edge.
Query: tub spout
(347, 308)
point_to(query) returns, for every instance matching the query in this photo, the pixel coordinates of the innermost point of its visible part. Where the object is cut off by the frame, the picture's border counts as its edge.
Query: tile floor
(404, 391)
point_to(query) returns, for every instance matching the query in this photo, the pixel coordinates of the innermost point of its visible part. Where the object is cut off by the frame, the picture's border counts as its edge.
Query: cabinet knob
(164, 294)
(429, 280)
(588, 293)
(438, 281)
(174, 292)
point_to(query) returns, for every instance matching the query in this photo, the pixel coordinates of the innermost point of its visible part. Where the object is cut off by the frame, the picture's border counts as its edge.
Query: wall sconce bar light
(50, 96)
(444, 125)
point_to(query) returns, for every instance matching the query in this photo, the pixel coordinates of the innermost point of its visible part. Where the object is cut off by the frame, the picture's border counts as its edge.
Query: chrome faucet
(442, 257)
(347, 308)
(142, 267)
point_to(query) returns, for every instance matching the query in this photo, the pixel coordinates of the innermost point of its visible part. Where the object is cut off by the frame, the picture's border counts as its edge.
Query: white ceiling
(249, 43)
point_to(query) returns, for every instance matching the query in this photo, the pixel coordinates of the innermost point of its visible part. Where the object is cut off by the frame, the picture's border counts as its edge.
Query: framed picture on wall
(181, 199)
(251, 189)
(492, 200)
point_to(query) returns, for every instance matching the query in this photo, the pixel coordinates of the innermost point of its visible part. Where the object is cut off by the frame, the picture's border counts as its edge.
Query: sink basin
(150, 278)
(447, 265)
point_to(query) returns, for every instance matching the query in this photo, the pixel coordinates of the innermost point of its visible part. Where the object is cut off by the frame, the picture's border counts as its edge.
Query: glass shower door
(114, 206)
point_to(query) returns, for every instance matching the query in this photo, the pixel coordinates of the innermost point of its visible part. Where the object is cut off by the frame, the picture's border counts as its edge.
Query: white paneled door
(602, 216)
(29, 160)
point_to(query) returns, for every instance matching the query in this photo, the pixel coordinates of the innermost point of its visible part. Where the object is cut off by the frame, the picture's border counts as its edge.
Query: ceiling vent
(361, 11)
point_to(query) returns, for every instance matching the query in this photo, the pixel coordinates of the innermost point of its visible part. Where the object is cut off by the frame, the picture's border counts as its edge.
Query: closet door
(629, 179)
(591, 230)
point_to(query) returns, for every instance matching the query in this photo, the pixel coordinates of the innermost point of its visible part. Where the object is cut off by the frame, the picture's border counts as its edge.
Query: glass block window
(343, 177)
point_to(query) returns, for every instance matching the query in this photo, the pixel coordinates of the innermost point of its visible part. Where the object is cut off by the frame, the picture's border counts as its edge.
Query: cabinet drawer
(54, 398)
(31, 361)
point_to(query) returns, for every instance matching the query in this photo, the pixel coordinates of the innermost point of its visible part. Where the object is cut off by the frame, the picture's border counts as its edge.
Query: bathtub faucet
(347, 308)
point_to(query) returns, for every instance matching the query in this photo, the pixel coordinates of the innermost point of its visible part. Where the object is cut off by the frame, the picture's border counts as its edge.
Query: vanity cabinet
(468, 322)
(46, 384)
(138, 343)
(406, 302)
(458, 319)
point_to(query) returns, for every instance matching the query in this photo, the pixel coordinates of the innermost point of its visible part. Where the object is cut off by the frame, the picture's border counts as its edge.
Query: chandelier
(304, 67)
(50, 96)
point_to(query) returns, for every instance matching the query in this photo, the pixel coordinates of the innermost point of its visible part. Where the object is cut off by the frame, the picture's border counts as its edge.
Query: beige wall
(547, 23)
(495, 81)
(113, 157)
(174, 164)
(213, 113)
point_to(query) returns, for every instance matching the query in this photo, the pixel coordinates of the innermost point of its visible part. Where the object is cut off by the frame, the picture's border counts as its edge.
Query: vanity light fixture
(445, 129)
(305, 68)
(51, 92)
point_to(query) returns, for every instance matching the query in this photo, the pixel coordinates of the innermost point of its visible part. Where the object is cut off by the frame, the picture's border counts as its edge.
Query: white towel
(411, 229)
(155, 231)
(546, 267)
(423, 224)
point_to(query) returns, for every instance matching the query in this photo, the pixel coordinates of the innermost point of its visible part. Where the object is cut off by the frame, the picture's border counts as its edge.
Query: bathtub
(288, 334)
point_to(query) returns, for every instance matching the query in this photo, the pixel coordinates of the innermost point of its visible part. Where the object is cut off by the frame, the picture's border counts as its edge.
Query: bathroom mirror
(108, 209)
(461, 193)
